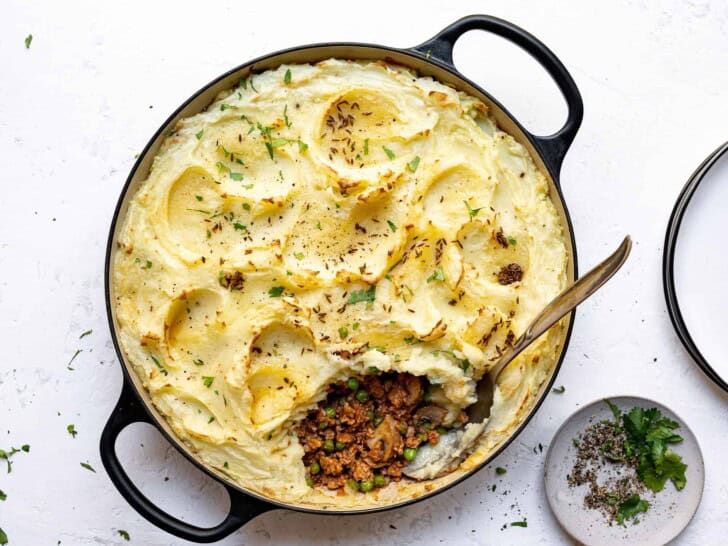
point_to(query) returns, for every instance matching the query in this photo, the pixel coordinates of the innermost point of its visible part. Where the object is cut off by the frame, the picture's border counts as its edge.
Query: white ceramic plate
(670, 510)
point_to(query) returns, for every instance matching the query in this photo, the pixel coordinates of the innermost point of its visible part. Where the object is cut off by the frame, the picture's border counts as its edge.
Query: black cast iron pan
(432, 58)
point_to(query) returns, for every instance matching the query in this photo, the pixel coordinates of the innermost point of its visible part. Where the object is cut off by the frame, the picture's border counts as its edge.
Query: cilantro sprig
(648, 436)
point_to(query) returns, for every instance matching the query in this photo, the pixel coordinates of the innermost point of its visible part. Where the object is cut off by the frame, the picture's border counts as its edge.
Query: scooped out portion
(368, 428)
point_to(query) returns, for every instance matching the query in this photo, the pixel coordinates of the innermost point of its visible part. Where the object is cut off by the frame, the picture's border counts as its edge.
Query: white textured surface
(98, 80)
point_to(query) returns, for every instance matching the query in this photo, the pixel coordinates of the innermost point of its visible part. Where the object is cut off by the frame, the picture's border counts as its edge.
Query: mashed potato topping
(322, 221)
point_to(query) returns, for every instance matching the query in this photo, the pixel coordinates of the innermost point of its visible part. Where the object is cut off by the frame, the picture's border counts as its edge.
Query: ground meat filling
(509, 274)
(367, 429)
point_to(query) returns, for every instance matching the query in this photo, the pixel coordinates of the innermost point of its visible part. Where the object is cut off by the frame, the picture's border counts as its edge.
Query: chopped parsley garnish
(198, 197)
(343, 332)
(559, 390)
(648, 435)
(236, 176)
(149, 264)
(224, 107)
(240, 227)
(287, 77)
(211, 419)
(318, 225)
(500, 470)
(246, 206)
(199, 134)
(512, 241)
(207, 381)
(88, 467)
(248, 186)
(13, 450)
(412, 165)
(243, 83)
(355, 326)
(72, 430)
(86, 333)
(28, 40)
(523, 523)
(276, 292)
(302, 146)
(225, 465)
(390, 153)
(437, 275)
(285, 117)
(198, 362)
(392, 226)
(367, 295)
(472, 212)
(3, 536)
(464, 363)
(123, 534)
(3, 496)
(298, 255)
(158, 365)
(630, 508)
(78, 352)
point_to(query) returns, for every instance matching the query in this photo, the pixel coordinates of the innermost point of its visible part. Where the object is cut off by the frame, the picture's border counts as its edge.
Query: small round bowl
(670, 510)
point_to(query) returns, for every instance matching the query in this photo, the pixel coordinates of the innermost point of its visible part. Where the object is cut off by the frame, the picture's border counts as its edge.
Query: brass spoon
(432, 460)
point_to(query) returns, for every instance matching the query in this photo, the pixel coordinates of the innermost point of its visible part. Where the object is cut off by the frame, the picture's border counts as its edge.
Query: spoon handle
(565, 302)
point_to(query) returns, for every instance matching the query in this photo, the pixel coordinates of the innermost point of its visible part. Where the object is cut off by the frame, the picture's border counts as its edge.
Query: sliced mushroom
(413, 384)
(431, 414)
(386, 441)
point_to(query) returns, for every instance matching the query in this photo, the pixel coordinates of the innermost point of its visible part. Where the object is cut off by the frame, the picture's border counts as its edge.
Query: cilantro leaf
(367, 295)
(275, 292)
(630, 508)
(438, 275)
(472, 212)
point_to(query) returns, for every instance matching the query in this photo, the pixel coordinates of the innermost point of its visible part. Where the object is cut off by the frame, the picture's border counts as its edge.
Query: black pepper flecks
(601, 450)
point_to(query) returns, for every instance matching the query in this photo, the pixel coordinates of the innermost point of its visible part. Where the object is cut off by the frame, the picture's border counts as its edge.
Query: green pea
(370, 415)
(378, 421)
(353, 484)
(309, 481)
(353, 383)
(427, 425)
(410, 453)
(366, 485)
(372, 370)
(362, 396)
(322, 425)
(421, 435)
(328, 446)
(379, 481)
(315, 468)
(331, 412)
(339, 446)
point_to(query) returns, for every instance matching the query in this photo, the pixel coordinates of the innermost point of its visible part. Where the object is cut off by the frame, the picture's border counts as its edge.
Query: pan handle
(242, 507)
(553, 147)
